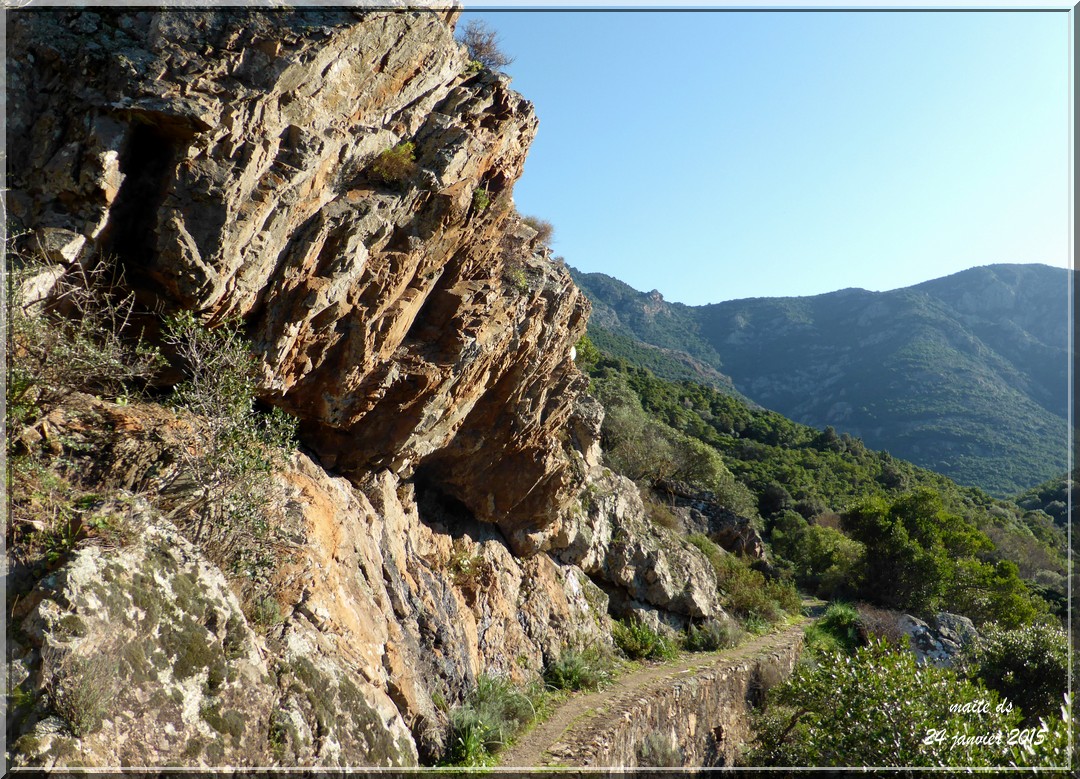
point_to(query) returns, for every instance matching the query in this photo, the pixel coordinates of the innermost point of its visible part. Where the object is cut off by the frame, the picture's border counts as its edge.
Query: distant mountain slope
(668, 363)
(965, 375)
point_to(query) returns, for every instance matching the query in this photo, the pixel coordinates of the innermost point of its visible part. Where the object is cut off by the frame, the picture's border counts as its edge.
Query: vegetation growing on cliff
(395, 165)
(73, 342)
(484, 46)
(489, 718)
(219, 486)
(227, 471)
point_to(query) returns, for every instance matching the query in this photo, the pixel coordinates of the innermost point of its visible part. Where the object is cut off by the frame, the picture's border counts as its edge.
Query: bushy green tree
(988, 591)
(1028, 665)
(878, 707)
(901, 569)
(920, 556)
(823, 559)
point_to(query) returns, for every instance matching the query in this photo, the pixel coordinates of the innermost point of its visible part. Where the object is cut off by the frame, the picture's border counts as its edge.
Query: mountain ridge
(965, 374)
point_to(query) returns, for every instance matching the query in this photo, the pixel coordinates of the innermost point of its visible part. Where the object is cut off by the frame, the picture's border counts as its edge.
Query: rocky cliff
(448, 514)
(223, 159)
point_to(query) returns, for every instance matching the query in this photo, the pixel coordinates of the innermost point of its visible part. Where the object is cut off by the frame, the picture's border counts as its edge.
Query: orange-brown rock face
(225, 160)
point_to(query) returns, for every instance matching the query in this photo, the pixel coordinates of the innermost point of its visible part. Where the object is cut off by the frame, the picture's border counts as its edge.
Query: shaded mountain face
(966, 375)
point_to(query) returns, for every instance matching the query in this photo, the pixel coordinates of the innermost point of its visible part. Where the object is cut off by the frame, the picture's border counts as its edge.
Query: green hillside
(965, 375)
(816, 495)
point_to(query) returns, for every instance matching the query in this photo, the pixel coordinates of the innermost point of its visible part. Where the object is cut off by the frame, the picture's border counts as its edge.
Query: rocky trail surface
(572, 733)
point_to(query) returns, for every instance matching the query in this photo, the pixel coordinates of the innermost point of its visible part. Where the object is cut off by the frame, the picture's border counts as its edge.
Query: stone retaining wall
(699, 718)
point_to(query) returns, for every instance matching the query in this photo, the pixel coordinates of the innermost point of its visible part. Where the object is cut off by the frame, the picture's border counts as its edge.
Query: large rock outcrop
(146, 653)
(224, 159)
(649, 572)
(385, 607)
(449, 515)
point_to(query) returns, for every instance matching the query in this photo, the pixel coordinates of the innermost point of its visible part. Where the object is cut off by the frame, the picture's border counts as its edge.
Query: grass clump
(489, 718)
(657, 751)
(586, 669)
(638, 641)
(80, 689)
(662, 516)
(395, 165)
(837, 632)
(712, 636)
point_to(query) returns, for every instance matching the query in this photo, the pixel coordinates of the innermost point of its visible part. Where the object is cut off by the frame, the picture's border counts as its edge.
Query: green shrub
(876, 708)
(712, 636)
(640, 642)
(1060, 732)
(992, 592)
(1029, 666)
(836, 631)
(489, 718)
(820, 644)
(395, 165)
(783, 593)
(226, 475)
(515, 277)
(746, 592)
(481, 199)
(466, 565)
(587, 669)
(586, 354)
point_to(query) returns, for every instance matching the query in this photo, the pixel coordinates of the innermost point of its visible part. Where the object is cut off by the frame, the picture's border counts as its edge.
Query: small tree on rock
(483, 45)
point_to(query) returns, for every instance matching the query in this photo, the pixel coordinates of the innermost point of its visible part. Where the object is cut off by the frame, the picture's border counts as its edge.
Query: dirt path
(579, 709)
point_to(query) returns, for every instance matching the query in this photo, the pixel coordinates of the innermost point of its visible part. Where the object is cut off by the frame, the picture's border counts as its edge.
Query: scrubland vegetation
(844, 522)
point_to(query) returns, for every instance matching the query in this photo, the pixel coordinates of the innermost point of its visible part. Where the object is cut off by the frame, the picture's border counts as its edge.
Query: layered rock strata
(224, 160)
(450, 514)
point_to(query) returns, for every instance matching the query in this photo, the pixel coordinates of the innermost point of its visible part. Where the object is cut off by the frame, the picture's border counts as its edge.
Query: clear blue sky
(716, 156)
